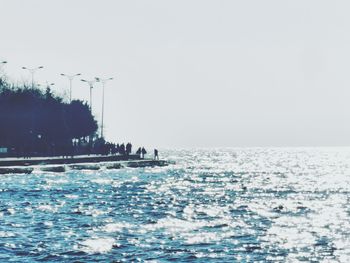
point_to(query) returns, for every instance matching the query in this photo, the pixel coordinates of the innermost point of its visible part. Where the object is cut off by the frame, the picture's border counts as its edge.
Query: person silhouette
(156, 157)
(128, 148)
(143, 151)
(122, 149)
(138, 152)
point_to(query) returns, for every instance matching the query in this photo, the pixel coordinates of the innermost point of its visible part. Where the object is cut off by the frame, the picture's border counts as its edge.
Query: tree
(35, 121)
(79, 119)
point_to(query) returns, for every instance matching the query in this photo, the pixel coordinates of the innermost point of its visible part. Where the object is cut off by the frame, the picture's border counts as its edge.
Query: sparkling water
(217, 205)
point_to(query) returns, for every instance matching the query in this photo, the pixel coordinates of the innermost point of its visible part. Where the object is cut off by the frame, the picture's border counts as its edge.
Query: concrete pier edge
(57, 168)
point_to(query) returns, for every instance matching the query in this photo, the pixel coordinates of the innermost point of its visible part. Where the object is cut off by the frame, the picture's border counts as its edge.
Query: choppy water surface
(213, 205)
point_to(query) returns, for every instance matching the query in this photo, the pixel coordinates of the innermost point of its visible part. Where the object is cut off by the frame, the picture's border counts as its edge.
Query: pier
(66, 160)
(60, 164)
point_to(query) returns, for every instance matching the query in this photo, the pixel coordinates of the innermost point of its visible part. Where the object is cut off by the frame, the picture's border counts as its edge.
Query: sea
(209, 205)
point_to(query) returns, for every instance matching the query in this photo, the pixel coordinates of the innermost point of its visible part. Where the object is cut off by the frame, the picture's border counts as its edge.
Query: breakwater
(91, 163)
(66, 160)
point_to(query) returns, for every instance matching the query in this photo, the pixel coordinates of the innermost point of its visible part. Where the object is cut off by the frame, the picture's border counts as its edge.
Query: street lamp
(91, 85)
(2, 63)
(32, 71)
(48, 88)
(103, 81)
(48, 85)
(70, 78)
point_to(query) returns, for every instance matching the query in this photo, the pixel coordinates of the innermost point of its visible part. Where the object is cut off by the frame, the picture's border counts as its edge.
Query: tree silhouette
(33, 121)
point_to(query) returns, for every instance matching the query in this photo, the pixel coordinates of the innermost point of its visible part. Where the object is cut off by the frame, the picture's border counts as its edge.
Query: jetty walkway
(66, 160)
(82, 162)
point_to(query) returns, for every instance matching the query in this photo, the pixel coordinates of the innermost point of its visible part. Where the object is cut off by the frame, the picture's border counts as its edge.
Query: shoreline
(59, 164)
(66, 160)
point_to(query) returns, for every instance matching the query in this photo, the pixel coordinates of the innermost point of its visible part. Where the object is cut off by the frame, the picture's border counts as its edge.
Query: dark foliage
(36, 121)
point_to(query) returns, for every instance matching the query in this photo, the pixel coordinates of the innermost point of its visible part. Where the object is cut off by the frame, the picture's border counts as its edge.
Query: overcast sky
(194, 73)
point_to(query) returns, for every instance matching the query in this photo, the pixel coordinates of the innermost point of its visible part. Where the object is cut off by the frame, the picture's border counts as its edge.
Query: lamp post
(32, 71)
(70, 78)
(103, 81)
(91, 85)
(47, 85)
(2, 63)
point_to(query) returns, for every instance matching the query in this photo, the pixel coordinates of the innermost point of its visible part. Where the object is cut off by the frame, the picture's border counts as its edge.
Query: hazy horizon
(194, 74)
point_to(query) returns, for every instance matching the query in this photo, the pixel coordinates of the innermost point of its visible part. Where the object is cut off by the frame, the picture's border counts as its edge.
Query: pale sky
(194, 73)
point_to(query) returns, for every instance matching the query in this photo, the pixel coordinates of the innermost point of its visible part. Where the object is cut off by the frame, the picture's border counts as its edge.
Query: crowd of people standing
(126, 149)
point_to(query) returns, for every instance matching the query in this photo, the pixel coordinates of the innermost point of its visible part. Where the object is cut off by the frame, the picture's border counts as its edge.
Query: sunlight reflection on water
(218, 205)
